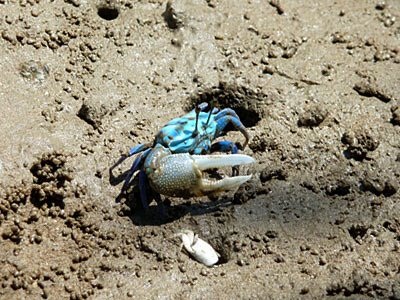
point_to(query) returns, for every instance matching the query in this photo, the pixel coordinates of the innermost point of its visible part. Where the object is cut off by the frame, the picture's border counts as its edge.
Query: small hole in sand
(108, 13)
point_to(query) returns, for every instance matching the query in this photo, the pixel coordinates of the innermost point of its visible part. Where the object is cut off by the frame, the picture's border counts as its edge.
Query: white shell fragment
(198, 248)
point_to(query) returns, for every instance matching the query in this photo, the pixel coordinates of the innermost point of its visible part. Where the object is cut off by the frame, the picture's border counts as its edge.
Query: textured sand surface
(316, 83)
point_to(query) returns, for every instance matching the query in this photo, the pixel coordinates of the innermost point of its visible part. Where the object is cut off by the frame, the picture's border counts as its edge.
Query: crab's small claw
(181, 175)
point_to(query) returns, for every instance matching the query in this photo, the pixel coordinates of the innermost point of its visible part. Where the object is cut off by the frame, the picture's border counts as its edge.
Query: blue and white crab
(173, 165)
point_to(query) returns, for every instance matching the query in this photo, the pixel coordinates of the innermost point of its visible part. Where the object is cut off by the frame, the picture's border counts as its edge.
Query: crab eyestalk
(181, 175)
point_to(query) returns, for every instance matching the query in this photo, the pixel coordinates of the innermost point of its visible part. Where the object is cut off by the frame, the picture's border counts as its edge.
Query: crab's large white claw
(181, 175)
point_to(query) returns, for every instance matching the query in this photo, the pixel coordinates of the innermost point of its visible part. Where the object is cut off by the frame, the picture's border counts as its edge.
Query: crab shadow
(115, 180)
(163, 212)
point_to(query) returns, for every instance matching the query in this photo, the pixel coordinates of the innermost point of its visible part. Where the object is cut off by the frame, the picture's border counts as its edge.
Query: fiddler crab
(174, 164)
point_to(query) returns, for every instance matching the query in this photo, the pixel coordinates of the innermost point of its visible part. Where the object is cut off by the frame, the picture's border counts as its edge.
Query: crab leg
(226, 116)
(143, 187)
(224, 146)
(137, 149)
(136, 164)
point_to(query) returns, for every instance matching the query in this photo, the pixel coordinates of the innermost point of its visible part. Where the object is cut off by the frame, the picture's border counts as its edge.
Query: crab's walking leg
(224, 146)
(226, 116)
(137, 163)
(137, 149)
(227, 111)
(160, 205)
(147, 195)
(144, 189)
